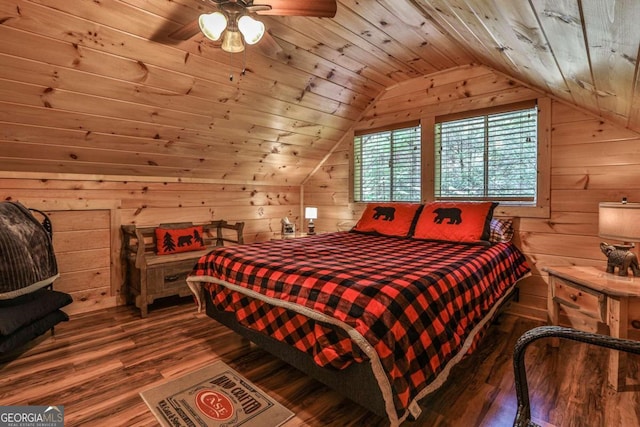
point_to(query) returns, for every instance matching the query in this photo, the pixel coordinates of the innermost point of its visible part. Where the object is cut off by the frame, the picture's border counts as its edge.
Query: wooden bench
(150, 276)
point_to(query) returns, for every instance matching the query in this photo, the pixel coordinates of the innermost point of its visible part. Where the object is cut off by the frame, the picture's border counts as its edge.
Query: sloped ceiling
(96, 86)
(583, 52)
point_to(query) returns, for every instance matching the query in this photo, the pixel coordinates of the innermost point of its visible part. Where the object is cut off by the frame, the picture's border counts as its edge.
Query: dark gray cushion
(26, 309)
(31, 331)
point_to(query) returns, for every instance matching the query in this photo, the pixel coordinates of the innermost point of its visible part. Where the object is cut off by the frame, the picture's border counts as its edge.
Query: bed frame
(356, 382)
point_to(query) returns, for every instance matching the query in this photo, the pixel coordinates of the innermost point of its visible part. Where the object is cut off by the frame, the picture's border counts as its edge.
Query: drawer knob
(635, 324)
(573, 297)
(171, 278)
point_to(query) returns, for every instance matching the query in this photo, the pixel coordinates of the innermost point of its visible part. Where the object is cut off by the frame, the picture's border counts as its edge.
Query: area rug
(214, 396)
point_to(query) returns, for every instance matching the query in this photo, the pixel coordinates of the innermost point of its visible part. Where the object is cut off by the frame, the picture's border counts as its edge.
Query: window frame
(395, 127)
(428, 121)
(541, 209)
(484, 116)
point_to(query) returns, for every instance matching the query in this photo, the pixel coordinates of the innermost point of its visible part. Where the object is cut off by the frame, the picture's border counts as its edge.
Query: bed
(382, 319)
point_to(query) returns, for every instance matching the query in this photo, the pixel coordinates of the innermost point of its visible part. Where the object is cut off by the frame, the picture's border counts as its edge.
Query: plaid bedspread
(415, 303)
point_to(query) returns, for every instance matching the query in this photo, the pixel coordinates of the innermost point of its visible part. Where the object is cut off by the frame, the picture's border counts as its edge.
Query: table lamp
(311, 214)
(620, 221)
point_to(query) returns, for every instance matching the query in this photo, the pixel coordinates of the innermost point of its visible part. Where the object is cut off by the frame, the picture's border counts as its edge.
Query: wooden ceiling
(98, 87)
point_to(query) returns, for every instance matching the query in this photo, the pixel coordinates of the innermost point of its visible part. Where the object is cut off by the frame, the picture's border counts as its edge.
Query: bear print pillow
(455, 221)
(175, 240)
(389, 219)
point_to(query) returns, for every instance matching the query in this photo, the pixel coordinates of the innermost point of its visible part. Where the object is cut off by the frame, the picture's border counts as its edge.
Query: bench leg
(142, 304)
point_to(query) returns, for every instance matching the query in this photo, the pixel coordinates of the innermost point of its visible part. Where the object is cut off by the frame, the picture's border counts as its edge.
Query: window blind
(387, 166)
(488, 157)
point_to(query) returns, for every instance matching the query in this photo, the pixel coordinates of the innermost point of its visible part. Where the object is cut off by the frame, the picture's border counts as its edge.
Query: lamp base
(311, 228)
(621, 257)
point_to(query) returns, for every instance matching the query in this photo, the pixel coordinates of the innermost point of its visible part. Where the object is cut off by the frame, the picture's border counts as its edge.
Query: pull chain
(244, 62)
(244, 65)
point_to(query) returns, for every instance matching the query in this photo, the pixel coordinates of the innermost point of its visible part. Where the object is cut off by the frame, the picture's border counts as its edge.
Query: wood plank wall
(87, 213)
(592, 161)
(91, 93)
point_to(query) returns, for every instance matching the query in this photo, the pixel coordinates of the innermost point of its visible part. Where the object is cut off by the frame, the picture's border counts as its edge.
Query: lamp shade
(311, 213)
(212, 25)
(232, 42)
(620, 221)
(251, 29)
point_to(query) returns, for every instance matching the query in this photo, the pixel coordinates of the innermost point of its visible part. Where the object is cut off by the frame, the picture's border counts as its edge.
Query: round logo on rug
(214, 405)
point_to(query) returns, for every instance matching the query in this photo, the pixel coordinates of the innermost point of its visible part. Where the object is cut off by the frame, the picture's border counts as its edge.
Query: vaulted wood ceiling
(96, 86)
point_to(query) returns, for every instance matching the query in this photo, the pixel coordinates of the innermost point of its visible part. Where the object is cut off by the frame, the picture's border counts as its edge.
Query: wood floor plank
(96, 365)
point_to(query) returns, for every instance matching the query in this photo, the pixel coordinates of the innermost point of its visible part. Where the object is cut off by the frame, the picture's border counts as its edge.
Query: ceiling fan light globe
(232, 42)
(212, 25)
(251, 29)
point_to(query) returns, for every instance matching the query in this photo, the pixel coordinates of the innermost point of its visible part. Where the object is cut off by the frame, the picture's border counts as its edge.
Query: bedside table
(600, 296)
(296, 235)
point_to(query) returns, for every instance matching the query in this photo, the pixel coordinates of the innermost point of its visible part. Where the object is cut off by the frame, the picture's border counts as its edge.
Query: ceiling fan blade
(186, 31)
(316, 8)
(258, 7)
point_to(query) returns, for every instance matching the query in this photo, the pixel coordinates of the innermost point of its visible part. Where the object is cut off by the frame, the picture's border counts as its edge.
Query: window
(488, 157)
(387, 165)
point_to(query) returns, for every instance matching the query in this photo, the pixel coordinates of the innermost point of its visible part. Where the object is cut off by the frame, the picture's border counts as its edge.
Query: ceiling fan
(232, 23)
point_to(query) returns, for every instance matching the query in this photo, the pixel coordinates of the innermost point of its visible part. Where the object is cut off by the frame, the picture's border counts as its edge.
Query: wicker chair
(523, 416)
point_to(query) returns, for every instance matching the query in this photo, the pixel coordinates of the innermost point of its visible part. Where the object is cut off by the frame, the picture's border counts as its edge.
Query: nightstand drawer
(585, 301)
(174, 276)
(169, 279)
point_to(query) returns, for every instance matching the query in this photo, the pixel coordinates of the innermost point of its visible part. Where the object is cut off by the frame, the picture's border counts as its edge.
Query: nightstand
(595, 295)
(296, 235)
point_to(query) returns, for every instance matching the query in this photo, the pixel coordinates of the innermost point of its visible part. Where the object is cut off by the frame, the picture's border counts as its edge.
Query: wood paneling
(92, 96)
(87, 215)
(581, 52)
(101, 88)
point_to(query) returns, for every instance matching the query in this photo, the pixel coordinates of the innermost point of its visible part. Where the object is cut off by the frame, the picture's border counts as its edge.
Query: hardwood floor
(97, 363)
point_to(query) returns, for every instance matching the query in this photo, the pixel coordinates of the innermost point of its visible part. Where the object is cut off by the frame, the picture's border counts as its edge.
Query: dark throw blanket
(27, 260)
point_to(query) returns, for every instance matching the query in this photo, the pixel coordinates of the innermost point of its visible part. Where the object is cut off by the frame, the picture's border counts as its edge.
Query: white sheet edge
(376, 365)
(195, 284)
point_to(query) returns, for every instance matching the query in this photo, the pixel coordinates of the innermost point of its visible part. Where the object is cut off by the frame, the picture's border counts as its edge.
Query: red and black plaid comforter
(416, 302)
